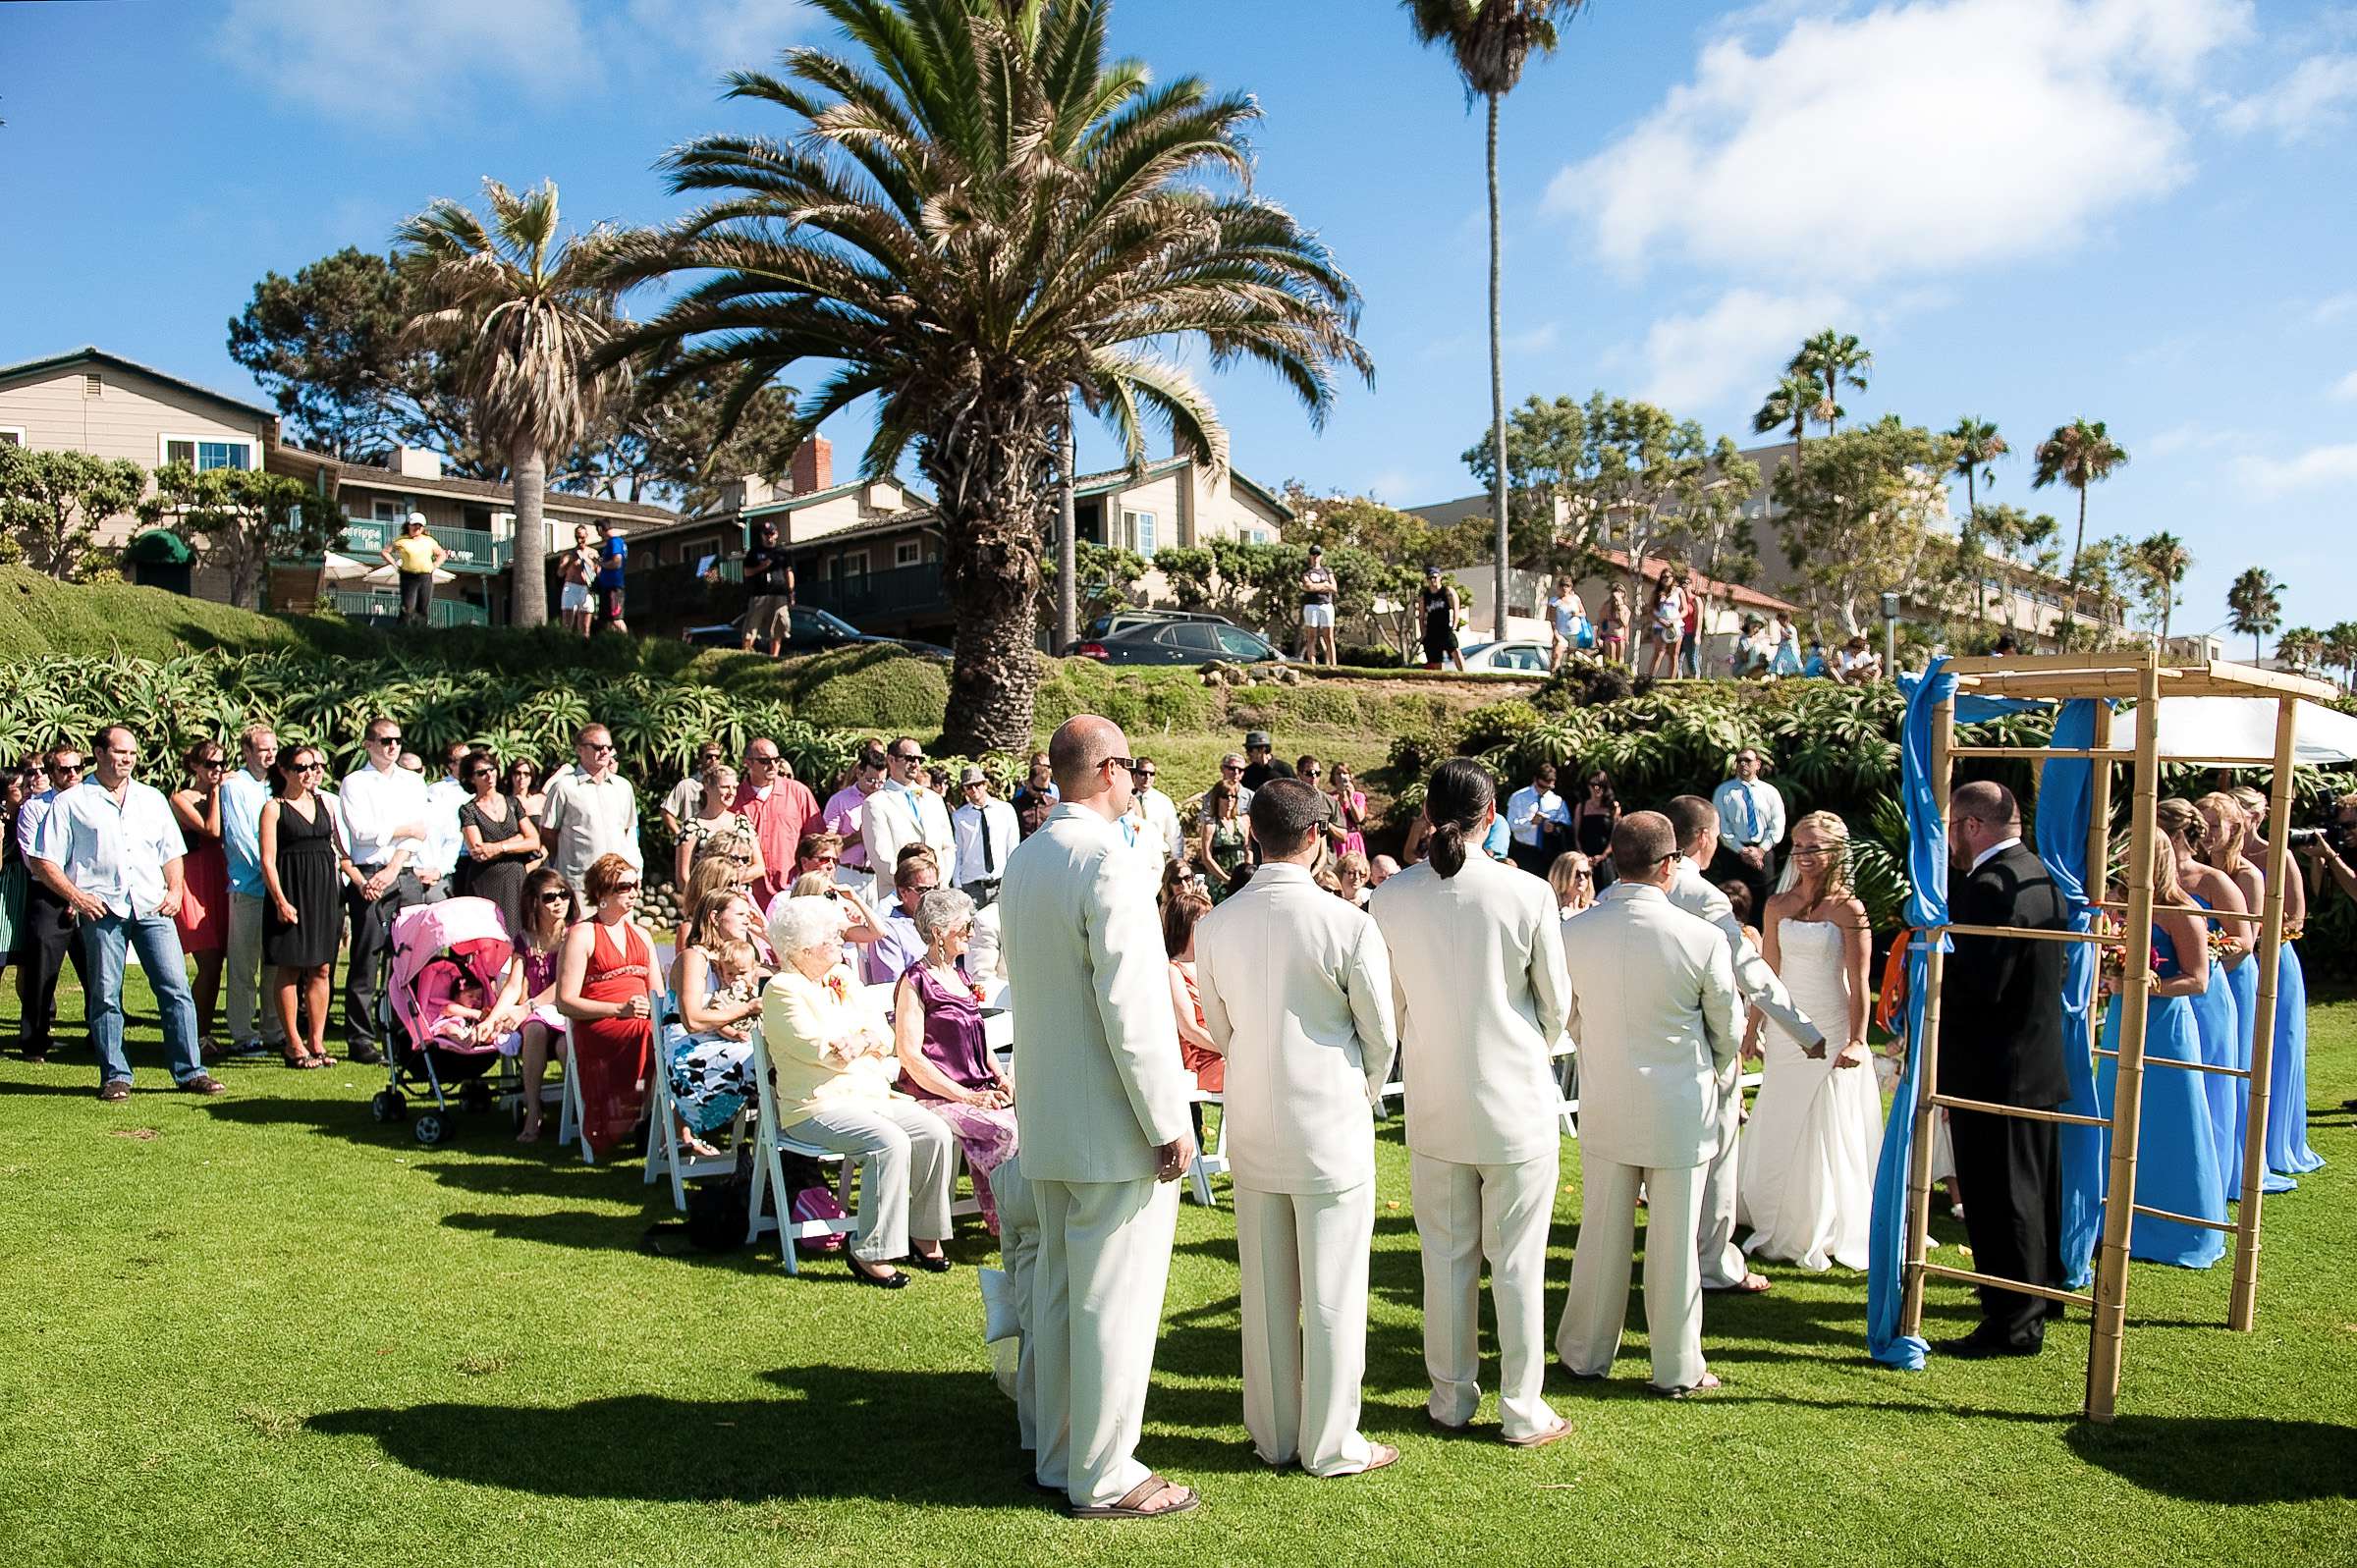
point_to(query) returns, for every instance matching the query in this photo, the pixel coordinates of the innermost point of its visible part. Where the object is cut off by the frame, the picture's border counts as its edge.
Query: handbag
(816, 1203)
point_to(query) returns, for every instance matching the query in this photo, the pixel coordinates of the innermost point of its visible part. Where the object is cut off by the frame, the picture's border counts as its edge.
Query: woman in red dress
(604, 985)
(203, 918)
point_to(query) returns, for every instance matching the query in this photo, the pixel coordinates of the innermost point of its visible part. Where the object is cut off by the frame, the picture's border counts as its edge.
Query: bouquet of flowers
(2222, 945)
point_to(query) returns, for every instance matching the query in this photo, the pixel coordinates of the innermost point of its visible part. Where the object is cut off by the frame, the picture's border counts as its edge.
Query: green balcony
(385, 609)
(471, 549)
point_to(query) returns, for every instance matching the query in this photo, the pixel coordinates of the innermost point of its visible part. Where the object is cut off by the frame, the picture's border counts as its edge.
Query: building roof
(368, 476)
(1105, 481)
(1709, 588)
(92, 352)
(811, 498)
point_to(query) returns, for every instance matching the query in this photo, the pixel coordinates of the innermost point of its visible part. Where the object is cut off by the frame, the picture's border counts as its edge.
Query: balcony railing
(386, 608)
(902, 593)
(471, 549)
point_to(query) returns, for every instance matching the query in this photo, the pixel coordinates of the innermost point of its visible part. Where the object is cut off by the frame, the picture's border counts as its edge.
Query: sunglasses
(308, 767)
(823, 860)
(211, 762)
(384, 741)
(910, 756)
(1146, 773)
(626, 887)
(1232, 767)
(65, 767)
(767, 762)
(599, 747)
(1126, 764)
(555, 898)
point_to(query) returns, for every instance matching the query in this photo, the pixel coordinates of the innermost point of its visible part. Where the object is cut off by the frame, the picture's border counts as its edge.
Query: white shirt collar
(1993, 850)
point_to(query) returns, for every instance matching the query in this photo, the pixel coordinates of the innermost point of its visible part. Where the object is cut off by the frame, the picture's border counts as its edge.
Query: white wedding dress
(1805, 1172)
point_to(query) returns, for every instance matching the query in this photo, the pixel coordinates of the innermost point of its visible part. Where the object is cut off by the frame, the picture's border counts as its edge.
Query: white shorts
(572, 596)
(1317, 616)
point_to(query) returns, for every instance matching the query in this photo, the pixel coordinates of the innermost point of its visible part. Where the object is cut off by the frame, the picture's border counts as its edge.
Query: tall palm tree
(1833, 359)
(2162, 561)
(526, 313)
(2079, 453)
(2256, 599)
(979, 215)
(2340, 651)
(1978, 446)
(1491, 40)
(2301, 647)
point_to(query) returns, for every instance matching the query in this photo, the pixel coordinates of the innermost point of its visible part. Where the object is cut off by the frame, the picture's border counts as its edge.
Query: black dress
(499, 879)
(307, 853)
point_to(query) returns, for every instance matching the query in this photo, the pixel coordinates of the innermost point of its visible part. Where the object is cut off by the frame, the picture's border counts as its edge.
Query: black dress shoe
(366, 1054)
(894, 1280)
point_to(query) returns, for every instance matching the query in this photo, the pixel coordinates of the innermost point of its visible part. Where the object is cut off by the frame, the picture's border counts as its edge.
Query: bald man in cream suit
(1296, 995)
(1478, 983)
(1696, 824)
(1102, 1118)
(1657, 1020)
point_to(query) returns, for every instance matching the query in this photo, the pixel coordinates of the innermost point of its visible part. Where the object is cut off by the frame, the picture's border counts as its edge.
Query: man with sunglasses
(591, 810)
(244, 793)
(846, 816)
(987, 833)
(49, 939)
(110, 849)
(1161, 812)
(899, 813)
(385, 823)
(780, 808)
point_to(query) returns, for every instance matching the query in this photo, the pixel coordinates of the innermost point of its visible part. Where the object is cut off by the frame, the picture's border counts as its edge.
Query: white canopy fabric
(334, 568)
(389, 576)
(2197, 728)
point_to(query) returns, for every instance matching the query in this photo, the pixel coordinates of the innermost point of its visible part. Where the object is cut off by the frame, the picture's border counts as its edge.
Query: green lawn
(261, 1329)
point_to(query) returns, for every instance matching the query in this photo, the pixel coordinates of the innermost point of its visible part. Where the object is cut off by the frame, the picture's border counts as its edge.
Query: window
(1138, 527)
(201, 455)
(851, 566)
(1235, 645)
(911, 554)
(392, 512)
(1193, 636)
(11, 436)
(1258, 536)
(93, 384)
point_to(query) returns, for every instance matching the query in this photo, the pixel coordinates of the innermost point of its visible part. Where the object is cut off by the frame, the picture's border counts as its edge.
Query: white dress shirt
(114, 852)
(898, 816)
(1162, 813)
(1529, 806)
(974, 863)
(30, 817)
(1749, 814)
(1692, 892)
(445, 845)
(1991, 852)
(377, 800)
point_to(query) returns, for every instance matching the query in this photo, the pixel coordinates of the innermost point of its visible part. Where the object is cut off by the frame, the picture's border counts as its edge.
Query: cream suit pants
(1723, 1263)
(1464, 1214)
(904, 1160)
(1096, 1301)
(1019, 1255)
(1589, 1335)
(1304, 1261)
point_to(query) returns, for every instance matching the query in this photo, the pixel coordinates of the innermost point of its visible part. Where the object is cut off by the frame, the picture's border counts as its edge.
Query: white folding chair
(664, 1153)
(1212, 1160)
(576, 1111)
(770, 1148)
(1566, 1084)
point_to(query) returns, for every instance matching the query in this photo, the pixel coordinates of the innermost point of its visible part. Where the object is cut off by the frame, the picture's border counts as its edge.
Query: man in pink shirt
(780, 809)
(846, 817)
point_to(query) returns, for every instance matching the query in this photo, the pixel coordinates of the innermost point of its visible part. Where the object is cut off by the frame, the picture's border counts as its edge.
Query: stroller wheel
(397, 1105)
(380, 1106)
(428, 1129)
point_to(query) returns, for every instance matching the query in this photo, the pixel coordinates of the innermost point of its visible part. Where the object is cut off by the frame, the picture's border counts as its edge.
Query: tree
(670, 446)
(524, 314)
(1856, 516)
(2108, 569)
(51, 504)
(2079, 453)
(2340, 651)
(1641, 472)
(241, 520)
(2256, 599)
(1830, 361)
(1105, 580)
(1490, 41)
(1978, 446)
(327, 346)
(1545, 442)
(2301, 647)
(2011, 535)
(1712, 531)
(1794, 401)
(2160, 562)
(976, 219)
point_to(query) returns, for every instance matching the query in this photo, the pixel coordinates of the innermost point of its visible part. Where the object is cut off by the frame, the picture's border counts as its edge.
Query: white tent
(387, 576)
(334, 568)
(2201, 728)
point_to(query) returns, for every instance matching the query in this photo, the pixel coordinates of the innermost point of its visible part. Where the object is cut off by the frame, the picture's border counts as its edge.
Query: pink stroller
(437, 948)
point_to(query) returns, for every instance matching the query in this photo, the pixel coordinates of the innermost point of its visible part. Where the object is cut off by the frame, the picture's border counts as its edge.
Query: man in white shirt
(1696, 824)
(1296, 991)
(687, 797)
(385, 823)
(987, 833)
(846, 816)
(1538, 822)
(49, 940)
(253, 1022)
(445, 845)
(899, 813)
(109, 849)
(1161, 811)
(1751, 824)
(591, 810)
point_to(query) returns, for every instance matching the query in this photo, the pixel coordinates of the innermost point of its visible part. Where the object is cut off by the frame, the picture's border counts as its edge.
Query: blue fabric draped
(2066, 806)
(2064, 791)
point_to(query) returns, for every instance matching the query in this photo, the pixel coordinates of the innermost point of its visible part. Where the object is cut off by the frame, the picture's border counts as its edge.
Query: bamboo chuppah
(2140, 674)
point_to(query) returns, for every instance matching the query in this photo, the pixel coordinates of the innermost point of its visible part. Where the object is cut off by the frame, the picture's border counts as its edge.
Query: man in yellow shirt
(416, 556)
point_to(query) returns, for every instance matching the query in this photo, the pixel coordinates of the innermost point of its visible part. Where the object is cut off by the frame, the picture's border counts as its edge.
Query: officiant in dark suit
(2000, 1041)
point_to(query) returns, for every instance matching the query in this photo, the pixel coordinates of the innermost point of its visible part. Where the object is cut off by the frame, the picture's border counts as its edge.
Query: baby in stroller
(453, 1004)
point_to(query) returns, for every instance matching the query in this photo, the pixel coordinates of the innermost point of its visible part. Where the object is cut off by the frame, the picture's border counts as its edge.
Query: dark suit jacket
(2000, 1000)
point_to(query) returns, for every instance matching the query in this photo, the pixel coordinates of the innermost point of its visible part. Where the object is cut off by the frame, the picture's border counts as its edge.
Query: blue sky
(2136, 210)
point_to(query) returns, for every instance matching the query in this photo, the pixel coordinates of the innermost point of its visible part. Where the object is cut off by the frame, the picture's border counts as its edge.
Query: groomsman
(1696, 821)
(1655, 1011)
(1103, 1123)
(1296, 993)
(899, 814)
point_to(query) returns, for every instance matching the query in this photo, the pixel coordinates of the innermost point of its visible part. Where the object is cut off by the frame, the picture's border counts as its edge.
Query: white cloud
(2328, 312)
(2316, 97)
(2315, 468)
(1914, 138)
(1692, 362)
(404, 63)
(2346, 389)
(723, 34)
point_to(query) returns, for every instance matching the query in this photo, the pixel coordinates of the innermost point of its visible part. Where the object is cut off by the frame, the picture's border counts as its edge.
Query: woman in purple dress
(937, 1026)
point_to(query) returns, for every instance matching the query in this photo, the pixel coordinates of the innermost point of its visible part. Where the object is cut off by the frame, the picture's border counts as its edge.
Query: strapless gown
(1805, 1172)
(2177, 1156)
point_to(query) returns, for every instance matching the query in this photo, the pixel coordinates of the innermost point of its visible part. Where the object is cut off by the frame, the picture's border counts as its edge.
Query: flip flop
(1383, 1457)
(1132, 1502)
(1540, 1439)
(1709, 1382)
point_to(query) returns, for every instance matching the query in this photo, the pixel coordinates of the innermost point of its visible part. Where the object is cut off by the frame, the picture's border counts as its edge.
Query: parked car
(810, 630)
(1123, 619)
(1164, 641)
(1512, 655)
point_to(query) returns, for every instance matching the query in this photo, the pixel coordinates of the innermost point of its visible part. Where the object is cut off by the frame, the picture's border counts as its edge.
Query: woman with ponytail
(1477, 966)
(2216, 1013)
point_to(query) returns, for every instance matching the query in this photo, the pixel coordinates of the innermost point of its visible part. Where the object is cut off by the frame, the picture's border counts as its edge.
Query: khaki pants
(1589, 1334)
(1304, 1293)
(249, 991)
(903, 1152)
(1464, 1214)
(1096, 1300)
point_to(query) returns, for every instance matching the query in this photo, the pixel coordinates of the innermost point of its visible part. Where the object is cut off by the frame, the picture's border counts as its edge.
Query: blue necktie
(1751, 817)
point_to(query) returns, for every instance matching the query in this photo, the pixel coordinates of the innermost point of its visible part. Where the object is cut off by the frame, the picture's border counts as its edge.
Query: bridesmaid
(2176, 1160)
(2227, 850)
(604, 985)
(2287, 1149)
(203, 918)
(2218, 1021)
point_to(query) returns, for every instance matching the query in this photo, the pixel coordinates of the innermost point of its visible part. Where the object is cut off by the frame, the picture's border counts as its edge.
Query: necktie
(1751, 817)
(990, 861)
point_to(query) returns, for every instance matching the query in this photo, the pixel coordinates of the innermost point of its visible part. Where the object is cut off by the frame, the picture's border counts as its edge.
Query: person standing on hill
(1318, 590)
(613, 560)
(769, 573)
(414, 558)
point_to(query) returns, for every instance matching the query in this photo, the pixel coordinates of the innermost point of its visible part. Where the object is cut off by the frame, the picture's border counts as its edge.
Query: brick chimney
(813, 466)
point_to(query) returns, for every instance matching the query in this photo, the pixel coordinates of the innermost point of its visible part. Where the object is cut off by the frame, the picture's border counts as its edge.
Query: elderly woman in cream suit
(1478, 980)
(1657, 1020)
(834, 1065)
(1297, 996)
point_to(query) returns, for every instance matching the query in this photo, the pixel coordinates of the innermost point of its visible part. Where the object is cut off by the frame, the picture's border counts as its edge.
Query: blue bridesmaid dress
(2287, 1149)
(2177, 1156)
(2216, 1025)
(2243, 980)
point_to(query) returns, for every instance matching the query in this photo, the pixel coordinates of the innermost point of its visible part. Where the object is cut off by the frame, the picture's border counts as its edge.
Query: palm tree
(2079, 453)
(2161, 560)
(1978, 446)
(1833, 359)
(2257, 600)
(2301, 647)
(1491, 40)
(525, 314)
(2340, 651)
(978, 216)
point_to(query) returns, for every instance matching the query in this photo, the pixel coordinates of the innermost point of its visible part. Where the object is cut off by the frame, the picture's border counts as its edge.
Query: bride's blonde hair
(1836, 870)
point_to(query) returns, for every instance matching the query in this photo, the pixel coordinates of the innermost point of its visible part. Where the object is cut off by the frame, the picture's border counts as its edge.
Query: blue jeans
(104, 942)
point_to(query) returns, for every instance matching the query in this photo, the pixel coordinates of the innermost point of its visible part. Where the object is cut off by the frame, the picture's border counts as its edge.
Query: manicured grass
(263, 1330)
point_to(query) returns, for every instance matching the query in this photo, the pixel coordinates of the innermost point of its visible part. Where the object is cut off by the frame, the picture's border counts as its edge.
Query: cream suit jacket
(1480, 993)
(896, 816)
(1692, 892)
(1098, 1084)
(1296, 991)
(1657, 1020)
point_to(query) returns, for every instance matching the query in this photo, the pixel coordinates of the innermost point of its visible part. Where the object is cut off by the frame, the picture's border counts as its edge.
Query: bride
(1805, 1183)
